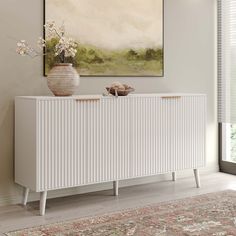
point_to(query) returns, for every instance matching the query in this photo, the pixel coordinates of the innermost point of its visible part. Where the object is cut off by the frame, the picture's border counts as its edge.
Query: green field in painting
(92, 61)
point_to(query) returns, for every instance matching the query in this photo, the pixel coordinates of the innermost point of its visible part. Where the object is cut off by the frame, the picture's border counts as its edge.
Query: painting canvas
(116, 37)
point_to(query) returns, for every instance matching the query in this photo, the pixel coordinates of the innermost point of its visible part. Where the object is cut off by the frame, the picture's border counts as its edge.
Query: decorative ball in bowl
(118, 89)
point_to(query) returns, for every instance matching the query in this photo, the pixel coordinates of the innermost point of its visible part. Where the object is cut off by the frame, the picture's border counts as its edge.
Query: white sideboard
(63, 142)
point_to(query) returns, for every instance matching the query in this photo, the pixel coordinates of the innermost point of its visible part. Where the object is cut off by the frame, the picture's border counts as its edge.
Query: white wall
(190, 66)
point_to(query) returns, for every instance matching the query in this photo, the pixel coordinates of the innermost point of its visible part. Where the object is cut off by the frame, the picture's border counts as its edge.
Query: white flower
(62, 29)
(23, 49)
(50, 25)
(41, 42)
(67, 46)
(21, 52)
(50, 29)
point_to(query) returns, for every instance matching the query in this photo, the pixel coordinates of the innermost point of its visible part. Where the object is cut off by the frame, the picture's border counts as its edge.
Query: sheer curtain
(227, 84)
(227, 61)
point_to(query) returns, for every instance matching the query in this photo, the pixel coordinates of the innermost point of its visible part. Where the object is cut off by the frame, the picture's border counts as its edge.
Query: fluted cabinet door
(103, 140)
(145, 135)
(168, 134)
(82, 142)
(56, 144)
(183, 133)
(115, 138)
(89, 161)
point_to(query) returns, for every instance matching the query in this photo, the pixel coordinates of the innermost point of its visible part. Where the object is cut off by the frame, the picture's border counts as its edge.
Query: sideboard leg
(25, 196)
(116, 187)
(174, 176)
(43, 198)
(197, 178)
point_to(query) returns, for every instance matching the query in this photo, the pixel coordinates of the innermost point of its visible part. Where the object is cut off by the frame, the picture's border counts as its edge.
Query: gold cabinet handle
(86, 99)
(171, 97)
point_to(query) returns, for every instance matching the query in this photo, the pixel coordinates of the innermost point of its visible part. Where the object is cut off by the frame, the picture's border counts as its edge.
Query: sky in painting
(110, 24)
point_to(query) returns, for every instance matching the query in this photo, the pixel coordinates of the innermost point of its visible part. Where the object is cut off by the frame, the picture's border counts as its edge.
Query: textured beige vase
(63, 79)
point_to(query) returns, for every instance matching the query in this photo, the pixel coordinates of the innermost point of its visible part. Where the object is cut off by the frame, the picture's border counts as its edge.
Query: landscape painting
(115, 37)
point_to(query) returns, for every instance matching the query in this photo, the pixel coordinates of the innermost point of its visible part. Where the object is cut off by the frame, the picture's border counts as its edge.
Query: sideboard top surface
(93, 96)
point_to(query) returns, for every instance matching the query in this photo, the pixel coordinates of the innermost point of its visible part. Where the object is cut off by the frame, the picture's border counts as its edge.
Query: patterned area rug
(210, 214)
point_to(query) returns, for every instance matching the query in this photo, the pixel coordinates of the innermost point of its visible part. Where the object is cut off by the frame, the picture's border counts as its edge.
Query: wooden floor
(17, 217)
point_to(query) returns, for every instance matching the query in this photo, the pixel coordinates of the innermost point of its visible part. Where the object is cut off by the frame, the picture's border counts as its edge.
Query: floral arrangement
(66, 47)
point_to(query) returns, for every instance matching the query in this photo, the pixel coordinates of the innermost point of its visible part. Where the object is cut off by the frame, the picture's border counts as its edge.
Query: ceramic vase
(63, 79)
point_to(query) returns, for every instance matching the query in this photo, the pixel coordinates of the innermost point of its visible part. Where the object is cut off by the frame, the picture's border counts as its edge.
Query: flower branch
(66, 47)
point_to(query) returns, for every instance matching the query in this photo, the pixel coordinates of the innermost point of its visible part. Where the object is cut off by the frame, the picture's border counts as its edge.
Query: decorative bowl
(116, 92)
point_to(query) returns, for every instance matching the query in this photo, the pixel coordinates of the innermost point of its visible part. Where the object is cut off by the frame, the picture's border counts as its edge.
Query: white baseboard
(17, 197)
